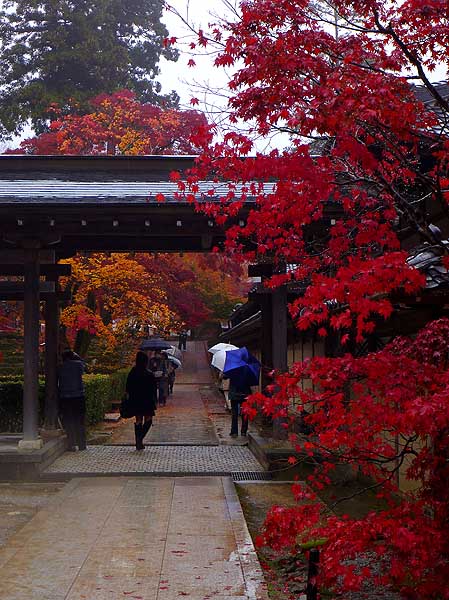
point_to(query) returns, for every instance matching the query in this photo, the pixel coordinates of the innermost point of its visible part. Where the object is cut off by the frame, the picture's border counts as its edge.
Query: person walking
(182, 340)
(141, 389)
(158, 365)
(171, 375)
(72, 401)
(237, 396)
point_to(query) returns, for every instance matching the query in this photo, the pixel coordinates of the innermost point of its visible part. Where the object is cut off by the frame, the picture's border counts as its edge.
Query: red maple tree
(366, 174)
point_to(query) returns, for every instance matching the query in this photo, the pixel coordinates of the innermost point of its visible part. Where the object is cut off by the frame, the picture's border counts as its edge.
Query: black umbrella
(155, 344)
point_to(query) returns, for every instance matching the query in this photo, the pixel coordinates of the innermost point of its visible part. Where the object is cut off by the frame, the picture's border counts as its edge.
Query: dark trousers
(235, 410)
(162, 390)
(171, 382)
(73, 414)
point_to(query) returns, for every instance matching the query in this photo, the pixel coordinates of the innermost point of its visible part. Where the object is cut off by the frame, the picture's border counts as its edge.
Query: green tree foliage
(67, 51)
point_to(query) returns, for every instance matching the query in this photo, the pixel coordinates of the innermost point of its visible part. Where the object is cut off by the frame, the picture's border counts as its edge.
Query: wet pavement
(189, 435)
(182, 421)
(151, 538)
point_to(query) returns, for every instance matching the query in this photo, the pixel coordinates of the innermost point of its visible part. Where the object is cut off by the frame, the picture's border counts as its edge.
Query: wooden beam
(16, 256)
(44, 296)
(46, 270)
(20, 286)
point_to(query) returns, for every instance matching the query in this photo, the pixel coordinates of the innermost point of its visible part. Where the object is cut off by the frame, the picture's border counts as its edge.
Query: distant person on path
(142, 391)
(182, 343)
(159, 366)
(171, 375)
(237, 397)
(72, 402)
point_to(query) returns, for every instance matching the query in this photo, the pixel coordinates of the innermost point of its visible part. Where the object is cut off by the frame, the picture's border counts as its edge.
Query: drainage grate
(250, 476)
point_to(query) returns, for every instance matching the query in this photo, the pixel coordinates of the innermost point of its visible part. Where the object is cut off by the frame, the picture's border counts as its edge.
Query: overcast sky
(177, 75)
(195, 82)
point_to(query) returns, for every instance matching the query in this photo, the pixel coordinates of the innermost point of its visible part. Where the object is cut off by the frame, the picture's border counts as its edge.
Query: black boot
(146, 428)
(139, 436)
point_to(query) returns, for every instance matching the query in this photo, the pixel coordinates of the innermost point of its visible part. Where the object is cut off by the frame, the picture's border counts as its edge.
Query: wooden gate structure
(52, 207)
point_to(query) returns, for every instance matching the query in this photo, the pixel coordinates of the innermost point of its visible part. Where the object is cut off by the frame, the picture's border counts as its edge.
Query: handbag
(126, 411)
(158, 374)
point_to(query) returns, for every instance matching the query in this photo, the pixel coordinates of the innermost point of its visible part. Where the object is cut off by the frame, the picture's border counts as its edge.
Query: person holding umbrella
(238, 392)
(159, 366)
(173, 364)
(243, 370)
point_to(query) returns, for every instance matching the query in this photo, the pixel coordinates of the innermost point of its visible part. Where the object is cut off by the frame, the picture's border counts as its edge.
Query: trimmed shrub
(118, 385)
(98, 392)
(11, 402)
(101, 391)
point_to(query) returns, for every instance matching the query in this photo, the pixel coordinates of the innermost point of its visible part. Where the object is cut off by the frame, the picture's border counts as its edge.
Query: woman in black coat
(142, 390)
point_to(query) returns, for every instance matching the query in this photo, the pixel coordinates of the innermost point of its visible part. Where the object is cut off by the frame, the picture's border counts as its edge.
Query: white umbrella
(222, 346)
(174, 360)
(219, 359)
(173, 351)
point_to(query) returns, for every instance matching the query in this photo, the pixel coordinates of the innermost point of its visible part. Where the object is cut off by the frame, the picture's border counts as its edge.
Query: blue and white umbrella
(222, 346)
(240, 366)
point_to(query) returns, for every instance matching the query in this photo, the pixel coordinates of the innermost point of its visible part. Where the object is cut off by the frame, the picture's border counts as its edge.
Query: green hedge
(101, 391)
(11, 393)
(98, 390)
(118, 385)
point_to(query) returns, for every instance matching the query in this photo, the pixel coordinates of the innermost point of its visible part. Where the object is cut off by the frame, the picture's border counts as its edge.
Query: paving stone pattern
(184, 420)
(157, 459)
(152, 538)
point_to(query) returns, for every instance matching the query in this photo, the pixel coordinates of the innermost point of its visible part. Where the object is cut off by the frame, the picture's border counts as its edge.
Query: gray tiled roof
(427, 259)
(423, 95)
(40, 190)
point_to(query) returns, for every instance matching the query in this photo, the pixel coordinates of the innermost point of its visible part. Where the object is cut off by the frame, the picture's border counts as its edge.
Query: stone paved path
(154, 537)
(184, 419)
(151, 538)
(182, 440)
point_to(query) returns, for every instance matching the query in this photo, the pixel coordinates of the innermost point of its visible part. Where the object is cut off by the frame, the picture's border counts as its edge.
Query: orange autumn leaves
(112, 296)
(115, 298)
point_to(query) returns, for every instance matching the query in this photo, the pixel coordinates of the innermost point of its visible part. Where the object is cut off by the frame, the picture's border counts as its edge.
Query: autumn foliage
(118, 124)
(364, 178)
(115, 299)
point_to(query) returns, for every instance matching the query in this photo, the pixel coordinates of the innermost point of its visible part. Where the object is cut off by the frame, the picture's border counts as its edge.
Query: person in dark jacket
(237, 397)
(72, 402)
(142, 390)
(182, 340)
(159, 366)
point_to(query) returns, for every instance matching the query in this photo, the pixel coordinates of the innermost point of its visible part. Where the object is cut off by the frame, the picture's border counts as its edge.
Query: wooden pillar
(273, 338)
(266, 339)
(51, 358)
(279, 328)
(279, 345)
(31, 440)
